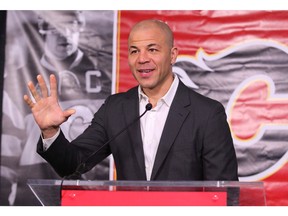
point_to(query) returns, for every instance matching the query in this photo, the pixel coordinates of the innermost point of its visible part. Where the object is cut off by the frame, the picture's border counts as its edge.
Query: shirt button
(45, 147)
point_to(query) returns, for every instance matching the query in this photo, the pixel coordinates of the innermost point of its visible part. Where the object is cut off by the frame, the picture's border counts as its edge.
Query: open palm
(45, 108)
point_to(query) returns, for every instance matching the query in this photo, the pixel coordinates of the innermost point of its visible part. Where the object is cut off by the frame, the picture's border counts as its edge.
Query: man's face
(150, 57)
(61, 41)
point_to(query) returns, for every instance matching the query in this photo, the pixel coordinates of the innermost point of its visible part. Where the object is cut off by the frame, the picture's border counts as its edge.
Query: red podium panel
(147, 193)
(142, 198)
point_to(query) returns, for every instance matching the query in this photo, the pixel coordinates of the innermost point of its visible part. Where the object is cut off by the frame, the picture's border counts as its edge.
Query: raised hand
(45, 108)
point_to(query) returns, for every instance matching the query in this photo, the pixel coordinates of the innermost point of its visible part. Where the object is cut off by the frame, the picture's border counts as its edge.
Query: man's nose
(68, 31)
(143, 57)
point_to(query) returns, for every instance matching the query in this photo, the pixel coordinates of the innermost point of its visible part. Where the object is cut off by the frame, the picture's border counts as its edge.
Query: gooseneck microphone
(82, 167)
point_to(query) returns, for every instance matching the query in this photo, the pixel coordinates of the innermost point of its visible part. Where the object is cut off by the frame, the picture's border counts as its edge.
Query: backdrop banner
(239, 58)
(76, 46)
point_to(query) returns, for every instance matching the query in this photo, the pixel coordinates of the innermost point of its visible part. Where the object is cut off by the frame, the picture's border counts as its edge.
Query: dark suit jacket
(196, 143)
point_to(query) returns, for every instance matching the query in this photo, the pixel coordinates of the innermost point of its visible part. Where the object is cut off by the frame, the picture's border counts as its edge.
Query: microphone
(81, 168)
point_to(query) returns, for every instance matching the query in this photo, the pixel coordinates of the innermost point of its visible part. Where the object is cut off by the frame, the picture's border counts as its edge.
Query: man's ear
(174, 54)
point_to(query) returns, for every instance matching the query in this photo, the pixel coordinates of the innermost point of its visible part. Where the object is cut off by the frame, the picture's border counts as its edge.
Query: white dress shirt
(152, 124)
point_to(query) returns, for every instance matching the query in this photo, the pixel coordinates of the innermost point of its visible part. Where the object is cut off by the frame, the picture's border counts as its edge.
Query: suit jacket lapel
(131, 112)
(175, 119)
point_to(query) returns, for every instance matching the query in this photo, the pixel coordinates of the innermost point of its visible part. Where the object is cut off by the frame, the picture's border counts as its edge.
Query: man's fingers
(36, 97)
(43, 86)
(28, 101)
(33, 91)
(69, 112)
(53, 86)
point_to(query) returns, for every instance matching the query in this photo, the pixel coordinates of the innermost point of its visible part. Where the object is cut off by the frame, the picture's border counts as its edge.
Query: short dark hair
(58, 18)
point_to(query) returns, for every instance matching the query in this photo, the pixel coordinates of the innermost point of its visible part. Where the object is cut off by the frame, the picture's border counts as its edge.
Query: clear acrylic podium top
(56, 192)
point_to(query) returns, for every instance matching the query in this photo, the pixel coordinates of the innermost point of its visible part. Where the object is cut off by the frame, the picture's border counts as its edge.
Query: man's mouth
(64, 44)
(145, 70)
(145, 73)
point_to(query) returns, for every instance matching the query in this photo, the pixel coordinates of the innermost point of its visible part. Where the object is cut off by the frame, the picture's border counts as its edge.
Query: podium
(147, 193)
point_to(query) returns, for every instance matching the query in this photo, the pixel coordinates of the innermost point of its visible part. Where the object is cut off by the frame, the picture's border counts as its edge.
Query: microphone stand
(81, 168)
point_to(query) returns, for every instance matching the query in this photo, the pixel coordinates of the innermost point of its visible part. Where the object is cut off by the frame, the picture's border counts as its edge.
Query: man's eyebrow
(149, 45)
(153, 44)
(133, 47)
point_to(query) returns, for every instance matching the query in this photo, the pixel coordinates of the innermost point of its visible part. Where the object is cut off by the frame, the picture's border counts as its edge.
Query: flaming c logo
(253, 108)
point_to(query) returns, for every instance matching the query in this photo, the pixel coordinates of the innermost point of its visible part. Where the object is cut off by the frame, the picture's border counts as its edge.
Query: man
(184, 137)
